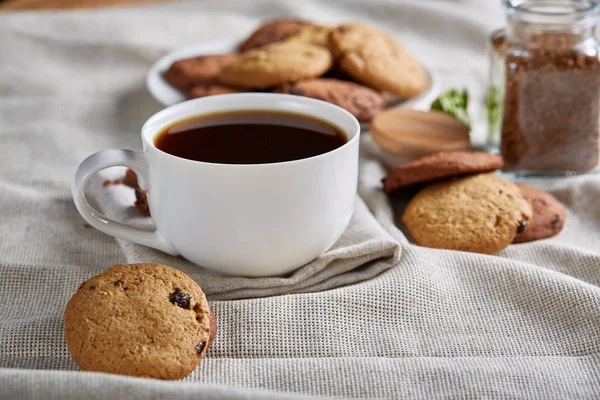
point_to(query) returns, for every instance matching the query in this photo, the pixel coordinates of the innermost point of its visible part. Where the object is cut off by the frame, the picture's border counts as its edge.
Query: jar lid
(552, 11)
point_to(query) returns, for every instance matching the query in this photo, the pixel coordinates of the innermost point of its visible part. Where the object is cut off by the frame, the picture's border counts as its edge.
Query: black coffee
(249, 137)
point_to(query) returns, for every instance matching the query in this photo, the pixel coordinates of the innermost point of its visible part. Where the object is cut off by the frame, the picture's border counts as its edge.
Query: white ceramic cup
(248, 220)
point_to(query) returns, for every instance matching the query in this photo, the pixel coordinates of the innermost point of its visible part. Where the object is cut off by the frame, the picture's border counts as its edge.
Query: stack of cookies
(352, 65)
(464, 206)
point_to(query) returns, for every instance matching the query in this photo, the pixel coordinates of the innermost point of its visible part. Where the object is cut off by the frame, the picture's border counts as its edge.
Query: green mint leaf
(455, 103)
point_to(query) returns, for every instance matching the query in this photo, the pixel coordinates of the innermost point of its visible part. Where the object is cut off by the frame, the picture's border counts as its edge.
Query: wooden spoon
(412, 133)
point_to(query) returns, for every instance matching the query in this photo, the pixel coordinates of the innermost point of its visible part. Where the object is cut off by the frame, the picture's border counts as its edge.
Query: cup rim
(147, 138)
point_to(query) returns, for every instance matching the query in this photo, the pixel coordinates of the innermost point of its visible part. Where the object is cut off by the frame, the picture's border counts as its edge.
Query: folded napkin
(365, 249)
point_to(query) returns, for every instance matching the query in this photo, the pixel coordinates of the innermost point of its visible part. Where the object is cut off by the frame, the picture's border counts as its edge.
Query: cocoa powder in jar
(551, 117)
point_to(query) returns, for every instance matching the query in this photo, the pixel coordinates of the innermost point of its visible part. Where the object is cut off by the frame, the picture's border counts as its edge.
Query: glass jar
(543, 98)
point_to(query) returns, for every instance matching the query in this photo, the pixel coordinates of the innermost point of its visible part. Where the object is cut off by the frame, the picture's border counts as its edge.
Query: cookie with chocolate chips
(441, 165)
(145, 320)
(479, 213)
(376, 59)
(548, 215)
(210, 90)
(275, 64)
(362, 102)
(202, 70)
(273, 31)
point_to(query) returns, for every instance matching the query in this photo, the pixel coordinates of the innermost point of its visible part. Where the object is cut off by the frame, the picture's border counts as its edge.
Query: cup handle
(113, 158)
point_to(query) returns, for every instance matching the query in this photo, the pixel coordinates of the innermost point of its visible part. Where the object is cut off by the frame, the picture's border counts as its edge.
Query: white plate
(168, 95)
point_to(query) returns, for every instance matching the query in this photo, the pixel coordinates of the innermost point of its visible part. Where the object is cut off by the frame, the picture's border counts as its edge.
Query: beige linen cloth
(431, 324)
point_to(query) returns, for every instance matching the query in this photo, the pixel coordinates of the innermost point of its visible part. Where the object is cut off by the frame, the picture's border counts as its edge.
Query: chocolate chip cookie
(184, 74)
(548, 215)
(362, 102)
(271, 32)
(441, 165)
(145, 320)
(276, 64)
(210, 90)
(478, 213)
(375, 59)
(312, 34)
